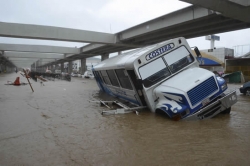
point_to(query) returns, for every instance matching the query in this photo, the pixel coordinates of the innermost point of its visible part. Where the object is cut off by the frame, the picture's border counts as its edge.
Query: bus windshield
(154, 72)
(178, 59)
(158, 70)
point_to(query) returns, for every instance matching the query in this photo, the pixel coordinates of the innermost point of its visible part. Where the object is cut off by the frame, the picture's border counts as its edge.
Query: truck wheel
(226, 111)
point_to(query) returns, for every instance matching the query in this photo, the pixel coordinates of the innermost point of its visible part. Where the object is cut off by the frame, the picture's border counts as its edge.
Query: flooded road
(57, 125)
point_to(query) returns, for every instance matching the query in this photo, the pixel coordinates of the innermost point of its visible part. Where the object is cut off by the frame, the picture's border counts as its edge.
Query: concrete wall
(242, 65)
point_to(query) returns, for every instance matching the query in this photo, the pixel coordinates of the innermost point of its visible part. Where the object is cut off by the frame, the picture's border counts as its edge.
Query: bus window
(98, 73)
(123, 79)
(154, 72)
(105, 77)
(178, 59)
(113, 78)
(98, 79)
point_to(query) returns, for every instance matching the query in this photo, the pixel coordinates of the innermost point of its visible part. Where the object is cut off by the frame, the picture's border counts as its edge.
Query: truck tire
(226, 111)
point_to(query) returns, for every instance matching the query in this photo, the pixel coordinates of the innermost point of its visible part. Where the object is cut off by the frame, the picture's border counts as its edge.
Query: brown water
(57, 125)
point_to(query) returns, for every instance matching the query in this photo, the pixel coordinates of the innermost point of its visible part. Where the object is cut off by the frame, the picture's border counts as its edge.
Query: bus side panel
(124, 94)
(98, 80)
(127, 95)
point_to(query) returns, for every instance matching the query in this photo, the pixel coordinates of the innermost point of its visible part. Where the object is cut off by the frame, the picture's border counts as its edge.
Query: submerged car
(88, 74)
(245, 88)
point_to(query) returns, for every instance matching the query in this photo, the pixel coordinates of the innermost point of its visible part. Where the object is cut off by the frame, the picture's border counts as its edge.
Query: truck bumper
(214, 108)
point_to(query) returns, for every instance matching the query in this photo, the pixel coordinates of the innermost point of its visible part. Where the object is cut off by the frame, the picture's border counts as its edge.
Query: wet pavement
(57, 125)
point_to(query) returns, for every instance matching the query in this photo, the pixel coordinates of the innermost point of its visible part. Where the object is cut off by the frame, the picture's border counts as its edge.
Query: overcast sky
(109, 16)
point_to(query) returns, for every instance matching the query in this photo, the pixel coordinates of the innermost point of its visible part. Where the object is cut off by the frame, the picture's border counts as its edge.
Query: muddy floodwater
(57, 125)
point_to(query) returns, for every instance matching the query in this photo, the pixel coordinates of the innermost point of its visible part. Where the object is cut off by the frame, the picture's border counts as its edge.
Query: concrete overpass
(54, 33)
(237, 9)
(27, 53)
(33, 55)
(190, 22)
(38, 48)
(5, 64)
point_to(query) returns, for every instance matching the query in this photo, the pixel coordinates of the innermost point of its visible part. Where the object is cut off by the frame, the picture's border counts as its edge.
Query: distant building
(220, 53)
(214, 59)
(89, 62)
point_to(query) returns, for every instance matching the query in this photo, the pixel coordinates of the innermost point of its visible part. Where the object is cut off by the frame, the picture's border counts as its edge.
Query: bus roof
(126, 60)
(119, 61)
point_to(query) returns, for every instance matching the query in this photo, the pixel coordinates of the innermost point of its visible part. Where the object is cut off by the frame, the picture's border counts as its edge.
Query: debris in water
(45, 116)
(16, 82)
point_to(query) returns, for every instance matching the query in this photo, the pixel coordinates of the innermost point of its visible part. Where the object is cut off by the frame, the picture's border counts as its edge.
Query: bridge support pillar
(62, 67)
(2, 68)
(36, 66)
(83, 65)
(70, 67)
(58, 66)
(53, 68)
(34, 69)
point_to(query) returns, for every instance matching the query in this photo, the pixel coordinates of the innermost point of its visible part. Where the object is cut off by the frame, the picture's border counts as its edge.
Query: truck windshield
(178, 59)
(154, 72)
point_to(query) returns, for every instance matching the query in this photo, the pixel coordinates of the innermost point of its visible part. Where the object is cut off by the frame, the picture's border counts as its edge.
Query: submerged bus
(165, 77)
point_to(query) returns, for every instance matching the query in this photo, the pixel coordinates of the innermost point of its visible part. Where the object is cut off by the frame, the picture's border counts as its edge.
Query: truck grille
(202, 91)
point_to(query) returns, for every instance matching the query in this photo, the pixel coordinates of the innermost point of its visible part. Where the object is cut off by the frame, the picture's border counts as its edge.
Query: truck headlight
(224, 86)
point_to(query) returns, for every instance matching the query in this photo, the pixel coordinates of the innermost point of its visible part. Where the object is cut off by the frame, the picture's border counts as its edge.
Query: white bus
(165, 77)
